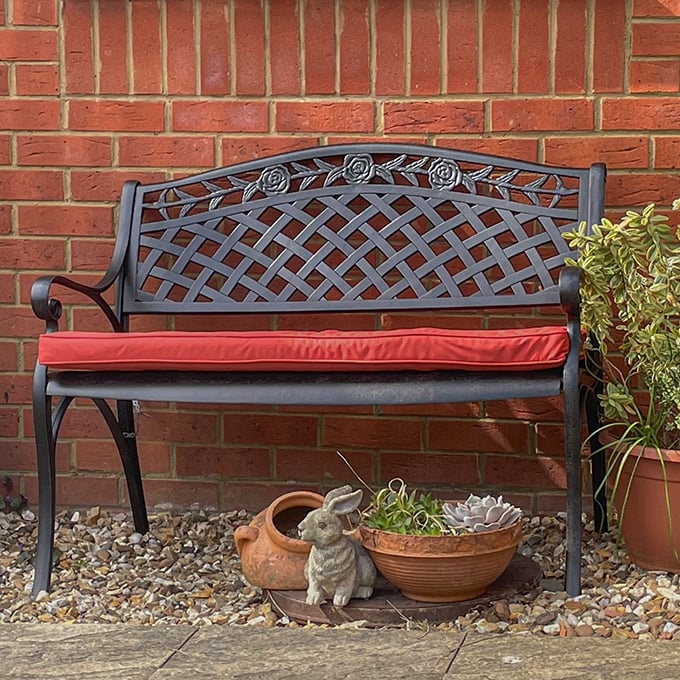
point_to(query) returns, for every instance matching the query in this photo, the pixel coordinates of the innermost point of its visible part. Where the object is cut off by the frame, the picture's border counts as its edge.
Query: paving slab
(99, 651)
(87, 651)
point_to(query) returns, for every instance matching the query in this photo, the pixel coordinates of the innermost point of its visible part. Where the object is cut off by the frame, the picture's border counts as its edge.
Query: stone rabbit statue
(338, 566)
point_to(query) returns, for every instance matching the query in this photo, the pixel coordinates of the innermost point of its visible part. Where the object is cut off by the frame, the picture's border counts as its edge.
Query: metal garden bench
(353, 228)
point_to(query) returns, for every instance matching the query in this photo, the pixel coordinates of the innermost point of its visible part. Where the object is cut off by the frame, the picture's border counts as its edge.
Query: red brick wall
(92, 93)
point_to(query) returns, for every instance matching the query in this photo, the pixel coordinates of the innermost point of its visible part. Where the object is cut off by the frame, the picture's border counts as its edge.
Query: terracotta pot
(442, 568)
(643, 522)
(269, 558)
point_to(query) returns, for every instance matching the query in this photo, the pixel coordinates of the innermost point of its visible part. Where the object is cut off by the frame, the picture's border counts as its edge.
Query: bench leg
(572, 444)
(45, 450)
(597, 460)
(127, 448)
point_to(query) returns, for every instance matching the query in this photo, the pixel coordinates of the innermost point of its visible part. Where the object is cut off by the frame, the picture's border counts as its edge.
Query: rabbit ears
(343, 500)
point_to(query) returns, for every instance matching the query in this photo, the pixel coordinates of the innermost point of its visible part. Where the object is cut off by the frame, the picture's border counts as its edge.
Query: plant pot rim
(292, 499)
(607, 440)
(480, 542)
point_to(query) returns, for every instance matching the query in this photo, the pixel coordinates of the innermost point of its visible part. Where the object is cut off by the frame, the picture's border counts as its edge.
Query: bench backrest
(353, 227)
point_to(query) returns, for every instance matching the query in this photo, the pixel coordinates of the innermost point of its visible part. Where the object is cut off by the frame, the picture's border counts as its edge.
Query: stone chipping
(186, 570)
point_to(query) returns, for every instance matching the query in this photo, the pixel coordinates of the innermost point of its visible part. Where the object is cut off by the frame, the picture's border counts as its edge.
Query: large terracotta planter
(644, 526)
(269, 558)
(442, 568)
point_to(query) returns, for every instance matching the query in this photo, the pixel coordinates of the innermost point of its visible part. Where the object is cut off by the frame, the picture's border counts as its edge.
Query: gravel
(186, 570)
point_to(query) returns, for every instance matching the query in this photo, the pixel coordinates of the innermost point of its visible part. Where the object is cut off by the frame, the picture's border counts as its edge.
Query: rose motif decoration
(358, 168)
(274, 181)
(444, 174)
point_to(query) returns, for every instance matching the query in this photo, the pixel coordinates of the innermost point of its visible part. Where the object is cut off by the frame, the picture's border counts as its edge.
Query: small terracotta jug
(269, 558)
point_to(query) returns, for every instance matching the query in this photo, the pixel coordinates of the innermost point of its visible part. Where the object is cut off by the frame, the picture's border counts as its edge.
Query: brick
(532, 47)
(182, 494)
(116, 115)
(284, 38)
(236, 149)
(463, 409)
(214, 48)
(4, 80)
(530, 115)
(349, 139)
(27, 44)
(353, 67)
(9, 423)
(428, 468)
(638, 189)
(6, 283)
(8, 355)
(180, 60)
(22, 253)
(335, 116)
(434, 116)
(616, 152)
(249, 47)
(63, 150)
(105, 185)
(461, 46)
(550, 439)
(80, 491)
(540, 409)
(166, 151)
(29, 351)
(29, 114)
(656, 8)
(318, 322)
(65, 219)
(20, 456)
(514, 147)
(497, 46)
(35, 13)
(641, 113)
(19, 325)
(390, 320)
(654, 75)
(269, 429)
(31, 185)
(319, 52)
(36, 79)
(90, 254)
(161, 426)
(5, 219)
(145, 32)
(478, 436)
(254, 496)
(77, 21)
(304, 464)
(569, 59)
(219, 116)
(235, 322)
(667, 152)
(534, 472)
(608, 57)
(656, 39)
(425, 53)
(373, 433)
(92, 455)
(389, 48)
(4, 155)
(204, 461)
(113, 57)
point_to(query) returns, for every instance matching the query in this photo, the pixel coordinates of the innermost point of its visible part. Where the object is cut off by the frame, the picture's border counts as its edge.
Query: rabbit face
(320, 528)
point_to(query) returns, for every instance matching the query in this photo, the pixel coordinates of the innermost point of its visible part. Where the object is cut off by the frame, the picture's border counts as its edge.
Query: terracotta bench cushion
(330, 350)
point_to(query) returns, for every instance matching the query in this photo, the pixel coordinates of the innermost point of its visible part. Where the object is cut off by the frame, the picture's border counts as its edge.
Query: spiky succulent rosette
(478, 514)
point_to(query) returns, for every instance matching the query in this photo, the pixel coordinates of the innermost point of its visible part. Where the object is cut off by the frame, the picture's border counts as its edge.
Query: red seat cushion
(413, 348)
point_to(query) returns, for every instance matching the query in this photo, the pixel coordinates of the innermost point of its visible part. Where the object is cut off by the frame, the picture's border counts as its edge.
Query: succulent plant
(480, 514)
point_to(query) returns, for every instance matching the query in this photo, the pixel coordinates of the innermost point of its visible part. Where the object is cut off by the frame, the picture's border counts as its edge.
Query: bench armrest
(570, 297)
(49, 308)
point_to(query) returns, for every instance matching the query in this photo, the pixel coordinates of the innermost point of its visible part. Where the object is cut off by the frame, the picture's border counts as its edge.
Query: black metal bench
(352, 228)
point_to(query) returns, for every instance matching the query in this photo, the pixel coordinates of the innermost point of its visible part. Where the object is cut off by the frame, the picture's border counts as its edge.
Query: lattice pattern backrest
(354, 227)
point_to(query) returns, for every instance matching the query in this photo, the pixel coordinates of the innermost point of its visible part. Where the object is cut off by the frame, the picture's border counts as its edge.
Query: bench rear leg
(123, 432)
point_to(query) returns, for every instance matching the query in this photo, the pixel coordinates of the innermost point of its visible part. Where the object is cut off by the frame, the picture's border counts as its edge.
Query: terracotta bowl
(442, 568)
